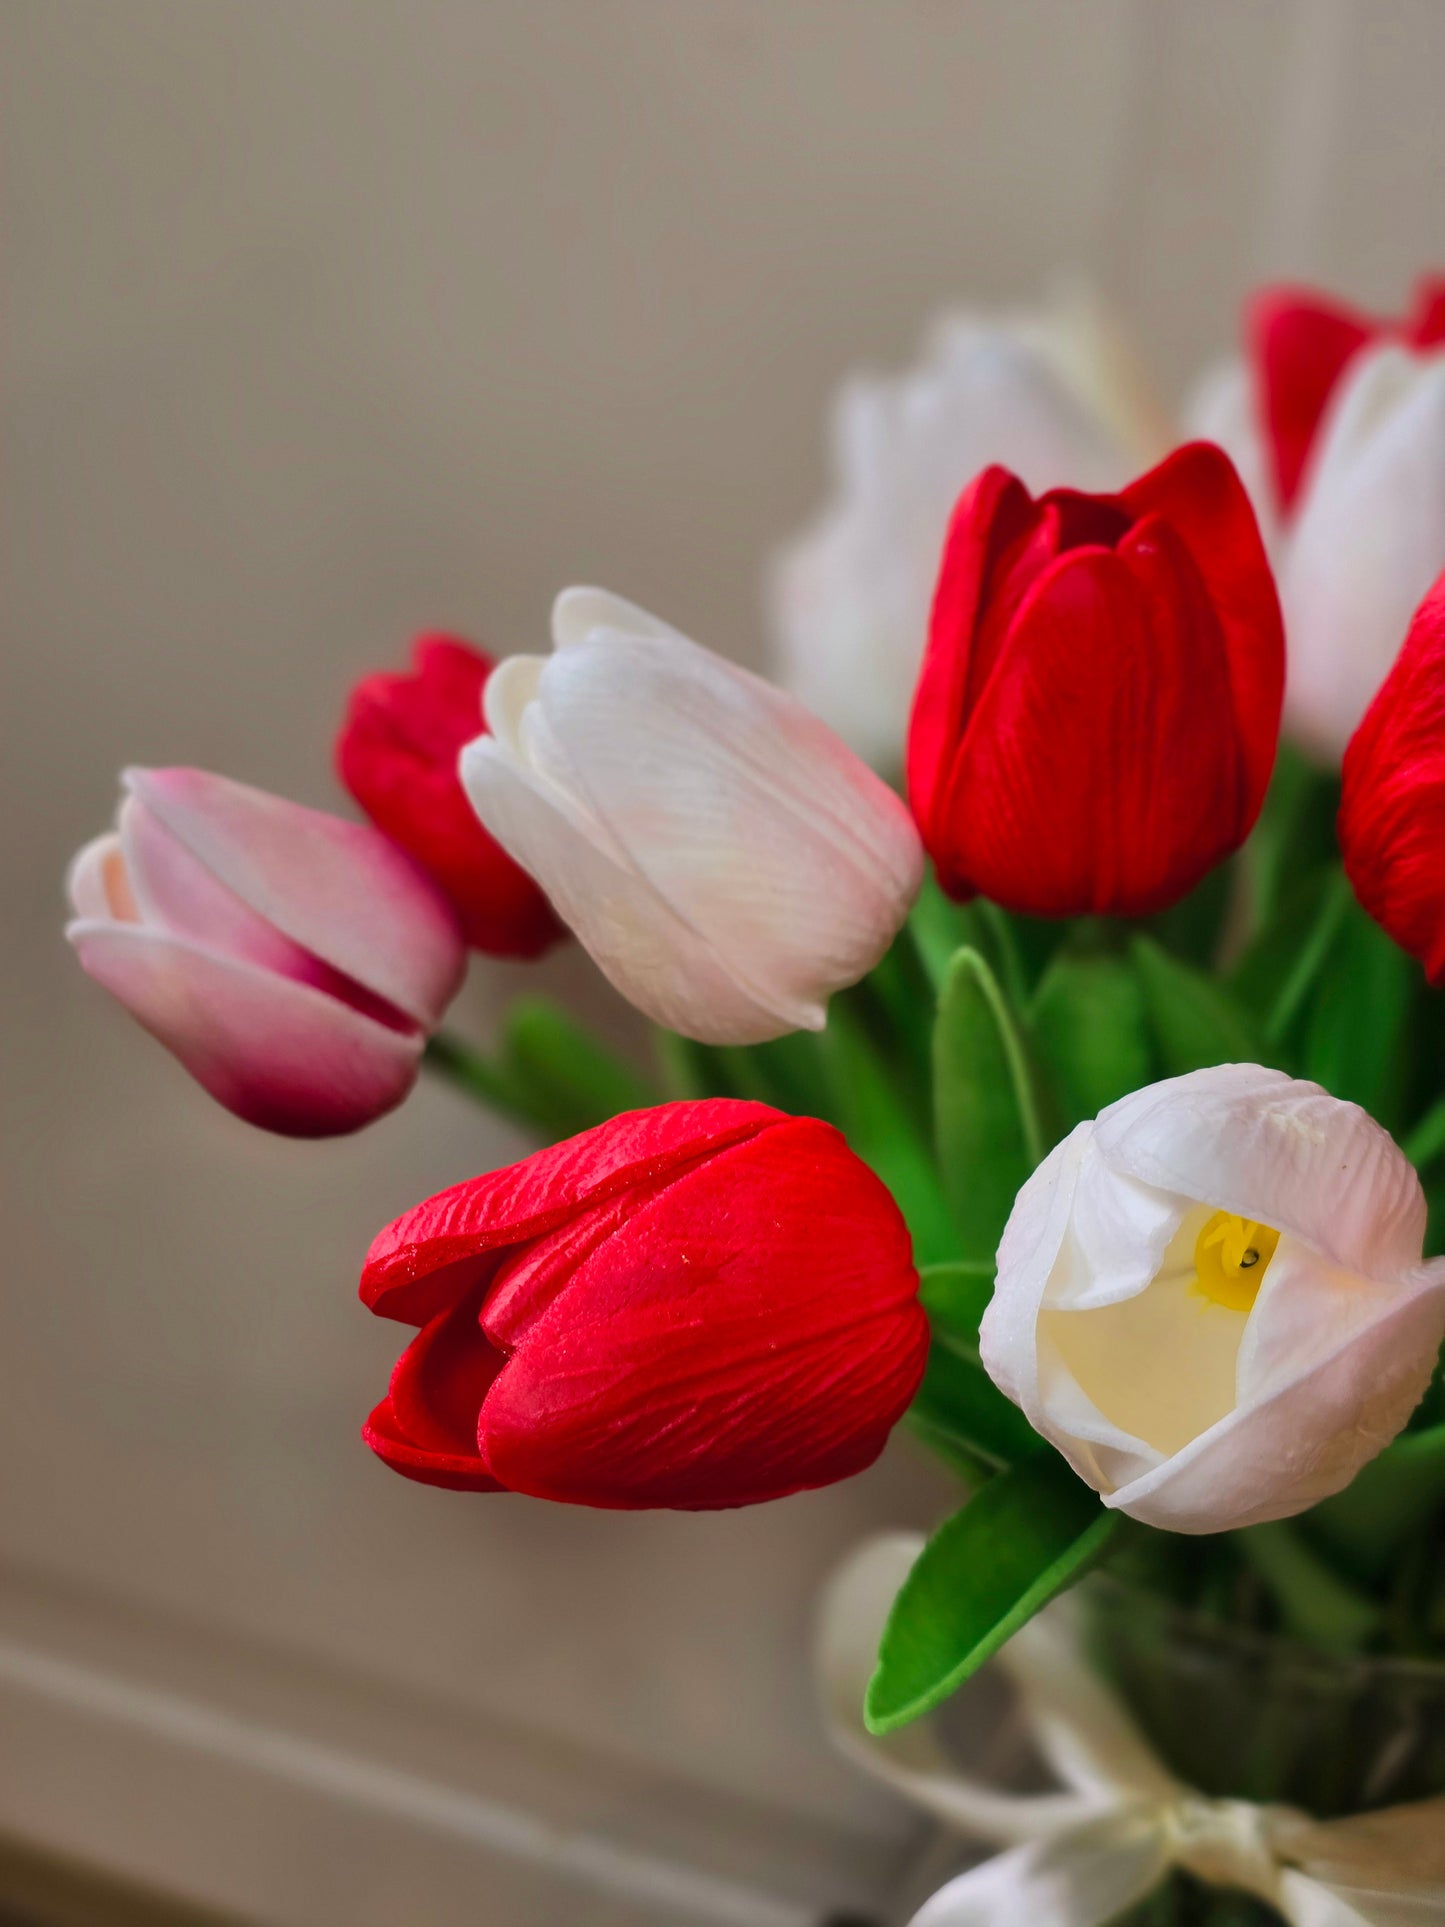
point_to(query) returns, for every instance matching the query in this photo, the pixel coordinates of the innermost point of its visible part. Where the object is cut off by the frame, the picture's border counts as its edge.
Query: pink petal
(342, 891)
(278, 1053)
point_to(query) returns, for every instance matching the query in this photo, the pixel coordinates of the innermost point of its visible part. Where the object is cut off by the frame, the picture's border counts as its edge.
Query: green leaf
(1356, 1041)
(571, 1079)
(1194, 1020)
(987, 1110)
(1385, 1505)
(874, 1114)
(1091, 1029)
(937, 926)
(959, 1398)
(1021, 1539)
(956, 1295)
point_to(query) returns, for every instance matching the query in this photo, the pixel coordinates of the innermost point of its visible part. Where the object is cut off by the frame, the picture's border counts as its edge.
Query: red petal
(1392, 808)
(993, 513)
(1299, 344)
(1197, 491)
(751, 1330)
(1426, 325)
(423, 1260)
(1100, 772)
(397, 754)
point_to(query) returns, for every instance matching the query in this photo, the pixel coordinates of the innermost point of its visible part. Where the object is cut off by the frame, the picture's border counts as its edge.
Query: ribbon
(1122, 1821)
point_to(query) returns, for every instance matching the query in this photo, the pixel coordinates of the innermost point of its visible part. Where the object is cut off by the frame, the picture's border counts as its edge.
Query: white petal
(1280, 1151)
(657, 961)
(1368, 540)
(1030, 1247)
(1307, 1439)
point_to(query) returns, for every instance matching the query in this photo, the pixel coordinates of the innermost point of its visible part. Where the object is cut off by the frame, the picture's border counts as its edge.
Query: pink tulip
(293, 962)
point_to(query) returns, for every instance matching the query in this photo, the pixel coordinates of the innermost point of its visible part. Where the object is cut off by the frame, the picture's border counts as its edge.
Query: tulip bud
(695, 1306)
(293, 962)
(1392, 806)
(1096, 719)
(1300, 344)
(1368, 540)
(397, 754)
(1053, 394)
(725, 860)
(1211, 1299)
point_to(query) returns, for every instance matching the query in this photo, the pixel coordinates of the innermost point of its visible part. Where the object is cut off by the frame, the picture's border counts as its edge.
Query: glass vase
(1241, 1714)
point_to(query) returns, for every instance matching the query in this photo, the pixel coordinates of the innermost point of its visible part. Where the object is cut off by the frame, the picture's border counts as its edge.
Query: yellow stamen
(1231, 1256)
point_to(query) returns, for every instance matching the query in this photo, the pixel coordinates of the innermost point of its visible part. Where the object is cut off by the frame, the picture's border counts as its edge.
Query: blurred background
(326, 321)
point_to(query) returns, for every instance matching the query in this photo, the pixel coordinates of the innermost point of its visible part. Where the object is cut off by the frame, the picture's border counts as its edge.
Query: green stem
(1311, 957)
(1011, 964)
(480, 1077)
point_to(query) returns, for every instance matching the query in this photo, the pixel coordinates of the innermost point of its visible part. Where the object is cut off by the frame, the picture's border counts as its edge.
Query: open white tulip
(727, 862)
(1053, 395)
(1364, 539)
(1211, 1299)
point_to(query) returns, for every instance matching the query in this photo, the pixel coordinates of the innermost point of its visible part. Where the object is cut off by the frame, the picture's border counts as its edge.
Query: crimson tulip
(1299, 343)
(1392, 807)
(397, 754)
(705, 1304)
(1097, 715)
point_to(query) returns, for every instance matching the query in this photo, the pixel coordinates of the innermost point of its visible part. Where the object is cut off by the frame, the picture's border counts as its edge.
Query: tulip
(1336, 421)
(397, 754)
(1392, 808)
(1368, 540)
(726, 861)
(1054, 395)
(294, 963)
(1096, 719)
(1211, 1298)
(701, 1305)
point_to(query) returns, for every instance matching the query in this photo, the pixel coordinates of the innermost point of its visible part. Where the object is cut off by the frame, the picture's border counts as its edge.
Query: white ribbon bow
(1081, 1856)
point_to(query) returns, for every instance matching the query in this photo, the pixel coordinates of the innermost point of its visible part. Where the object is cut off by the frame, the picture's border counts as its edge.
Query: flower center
(1231, 1256)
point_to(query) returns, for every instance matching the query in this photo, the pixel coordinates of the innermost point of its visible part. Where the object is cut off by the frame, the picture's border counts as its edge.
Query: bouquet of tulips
(1053, 1066)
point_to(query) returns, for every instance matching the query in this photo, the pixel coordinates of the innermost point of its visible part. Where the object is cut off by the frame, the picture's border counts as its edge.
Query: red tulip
(1299, 344)
(700, 1305)
(1096, 719)
(397, 754)
(1392, 808)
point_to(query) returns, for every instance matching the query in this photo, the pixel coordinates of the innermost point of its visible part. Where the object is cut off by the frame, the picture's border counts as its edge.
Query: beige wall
(326, 320)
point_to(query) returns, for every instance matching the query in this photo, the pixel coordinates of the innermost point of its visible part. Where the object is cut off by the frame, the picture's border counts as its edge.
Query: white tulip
(1367, 542)
(727, 862)
(1365, 537)
(1211, 1299)
(1052, 395)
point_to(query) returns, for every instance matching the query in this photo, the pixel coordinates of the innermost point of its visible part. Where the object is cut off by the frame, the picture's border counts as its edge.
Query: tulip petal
(280, 1054)
(1197, 493)
(1368, 542)
(638, 942)
(440, 1381)
(96, 882)
(746, 815)
(423, 1260)
(340, 890)
(1307, 1438)
(1172, 805)
(1276, 1150)
(671, 1370)
(397, 755)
